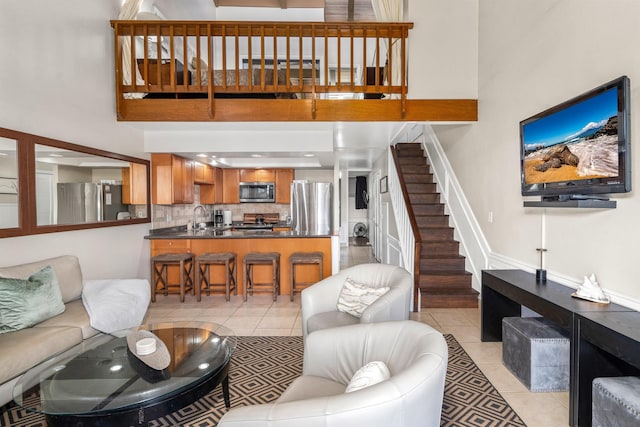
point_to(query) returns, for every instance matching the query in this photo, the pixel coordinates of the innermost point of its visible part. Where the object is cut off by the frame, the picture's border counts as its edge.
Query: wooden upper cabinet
(134, 184)
(212, 193)
(230, 182)
(284, 177)
(203, 173)
(257, 175)
(219, 186)
(187, 183)
(172, 179)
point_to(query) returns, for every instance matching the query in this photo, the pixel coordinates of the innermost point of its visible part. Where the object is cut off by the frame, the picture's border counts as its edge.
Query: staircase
(443, 280)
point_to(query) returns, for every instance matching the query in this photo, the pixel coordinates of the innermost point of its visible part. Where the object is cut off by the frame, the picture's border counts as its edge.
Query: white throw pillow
(355, 297)
(370, 374)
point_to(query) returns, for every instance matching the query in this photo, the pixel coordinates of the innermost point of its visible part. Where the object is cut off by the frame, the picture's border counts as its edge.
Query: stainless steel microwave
(257, 192)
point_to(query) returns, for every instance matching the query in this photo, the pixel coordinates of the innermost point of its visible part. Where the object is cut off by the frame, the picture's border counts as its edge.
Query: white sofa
(319, 301)
(23, 349)
(415, 353)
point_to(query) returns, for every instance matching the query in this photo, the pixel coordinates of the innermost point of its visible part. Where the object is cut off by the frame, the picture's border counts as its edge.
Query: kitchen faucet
(195, 210)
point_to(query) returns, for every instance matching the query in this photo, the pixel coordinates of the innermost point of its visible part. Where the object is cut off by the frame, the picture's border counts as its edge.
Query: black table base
(605, 338)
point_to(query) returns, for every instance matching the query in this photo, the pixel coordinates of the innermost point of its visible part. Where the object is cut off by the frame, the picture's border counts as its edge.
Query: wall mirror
(9, 208)
(48, 185)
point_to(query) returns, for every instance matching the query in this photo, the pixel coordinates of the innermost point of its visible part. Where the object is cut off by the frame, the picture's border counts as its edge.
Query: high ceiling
(352, 146)
(334, 10)
(282, 4)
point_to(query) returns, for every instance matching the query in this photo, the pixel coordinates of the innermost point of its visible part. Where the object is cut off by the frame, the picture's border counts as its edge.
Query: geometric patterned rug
(262, 368)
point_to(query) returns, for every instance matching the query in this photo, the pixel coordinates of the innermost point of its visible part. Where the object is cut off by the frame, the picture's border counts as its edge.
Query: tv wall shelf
(588, 203)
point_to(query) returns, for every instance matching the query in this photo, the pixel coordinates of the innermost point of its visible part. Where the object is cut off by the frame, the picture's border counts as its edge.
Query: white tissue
(591, 290)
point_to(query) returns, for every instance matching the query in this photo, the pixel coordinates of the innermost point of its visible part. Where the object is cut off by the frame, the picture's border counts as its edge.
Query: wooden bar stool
(261, 258)
(302, 258)
(160, 273)
(203, 273)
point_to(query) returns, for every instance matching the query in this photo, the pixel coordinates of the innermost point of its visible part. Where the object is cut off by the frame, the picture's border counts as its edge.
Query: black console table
(605, 338)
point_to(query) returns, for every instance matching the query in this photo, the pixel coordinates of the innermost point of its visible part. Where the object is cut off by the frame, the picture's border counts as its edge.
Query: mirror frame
(26, 158)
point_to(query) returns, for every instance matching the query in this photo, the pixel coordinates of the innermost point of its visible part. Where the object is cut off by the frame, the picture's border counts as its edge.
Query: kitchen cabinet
(134, 184)
(203, 173)
(284, 177)
(172, 179)
(230, 182)
(212, 193)
(187, 183)
(281, 228)
(257, 175)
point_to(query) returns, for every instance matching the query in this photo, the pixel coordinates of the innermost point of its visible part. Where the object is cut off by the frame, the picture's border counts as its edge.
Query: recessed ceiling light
(256, 155)
(55, 155)
(213, 156)
(309, 155)
(3, 154)
(202, 155)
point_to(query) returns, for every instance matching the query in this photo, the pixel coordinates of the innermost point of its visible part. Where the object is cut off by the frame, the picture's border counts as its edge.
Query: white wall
(443, 49)
(57, 80)
(314, 175)
(535, 54)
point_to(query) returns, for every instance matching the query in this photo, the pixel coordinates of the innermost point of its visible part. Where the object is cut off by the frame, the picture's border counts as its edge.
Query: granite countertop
(226, 232)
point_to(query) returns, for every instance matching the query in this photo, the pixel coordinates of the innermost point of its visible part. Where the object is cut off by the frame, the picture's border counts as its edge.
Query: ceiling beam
(283, 4)
(350, 10)
(215, 3)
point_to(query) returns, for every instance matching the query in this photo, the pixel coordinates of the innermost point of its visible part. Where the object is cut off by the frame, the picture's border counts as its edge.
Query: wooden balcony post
(118, 72)
(210, 93)
(276, 81)
(237, 59)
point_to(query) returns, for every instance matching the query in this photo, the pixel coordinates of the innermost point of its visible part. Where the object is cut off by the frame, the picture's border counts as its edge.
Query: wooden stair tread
(443, 280)
(441, 256)
(449, 291)
(444, 273)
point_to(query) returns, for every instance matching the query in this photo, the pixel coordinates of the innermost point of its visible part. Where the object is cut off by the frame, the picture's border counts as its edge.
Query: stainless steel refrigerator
(80, 202)
(311, 207)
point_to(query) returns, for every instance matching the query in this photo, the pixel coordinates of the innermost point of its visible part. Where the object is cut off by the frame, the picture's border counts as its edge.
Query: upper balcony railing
(198, 59)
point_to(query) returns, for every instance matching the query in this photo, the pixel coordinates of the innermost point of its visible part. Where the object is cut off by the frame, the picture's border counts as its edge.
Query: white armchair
(319, 302)
(415, 354)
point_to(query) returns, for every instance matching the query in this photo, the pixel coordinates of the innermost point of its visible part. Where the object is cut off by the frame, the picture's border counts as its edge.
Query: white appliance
(226, 218)
(311, 207)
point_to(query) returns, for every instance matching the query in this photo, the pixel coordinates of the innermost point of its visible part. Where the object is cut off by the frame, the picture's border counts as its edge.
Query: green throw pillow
(25, 302)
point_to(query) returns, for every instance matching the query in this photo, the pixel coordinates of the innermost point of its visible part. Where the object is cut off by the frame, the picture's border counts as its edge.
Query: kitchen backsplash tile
(174, 215)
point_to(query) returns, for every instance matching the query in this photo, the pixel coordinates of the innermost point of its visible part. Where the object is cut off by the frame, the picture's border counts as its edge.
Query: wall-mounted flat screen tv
(579, 148)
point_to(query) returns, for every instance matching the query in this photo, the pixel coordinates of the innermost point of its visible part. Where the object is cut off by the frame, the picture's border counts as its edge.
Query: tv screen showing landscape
(579, 142)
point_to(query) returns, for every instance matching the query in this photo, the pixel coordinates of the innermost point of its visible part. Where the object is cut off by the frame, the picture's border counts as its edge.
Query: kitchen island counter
(227, 233)
(241, 242)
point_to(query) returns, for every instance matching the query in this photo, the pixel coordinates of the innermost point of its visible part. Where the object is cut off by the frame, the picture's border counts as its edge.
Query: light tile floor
(261, 316)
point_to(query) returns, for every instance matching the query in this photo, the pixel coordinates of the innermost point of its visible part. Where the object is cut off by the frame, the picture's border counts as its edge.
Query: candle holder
(541, 273)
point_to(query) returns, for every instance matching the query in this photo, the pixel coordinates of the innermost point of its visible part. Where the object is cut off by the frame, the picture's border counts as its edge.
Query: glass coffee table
(100, 382)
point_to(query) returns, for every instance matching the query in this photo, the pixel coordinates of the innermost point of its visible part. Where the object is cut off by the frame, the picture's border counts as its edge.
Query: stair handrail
(401, 203)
